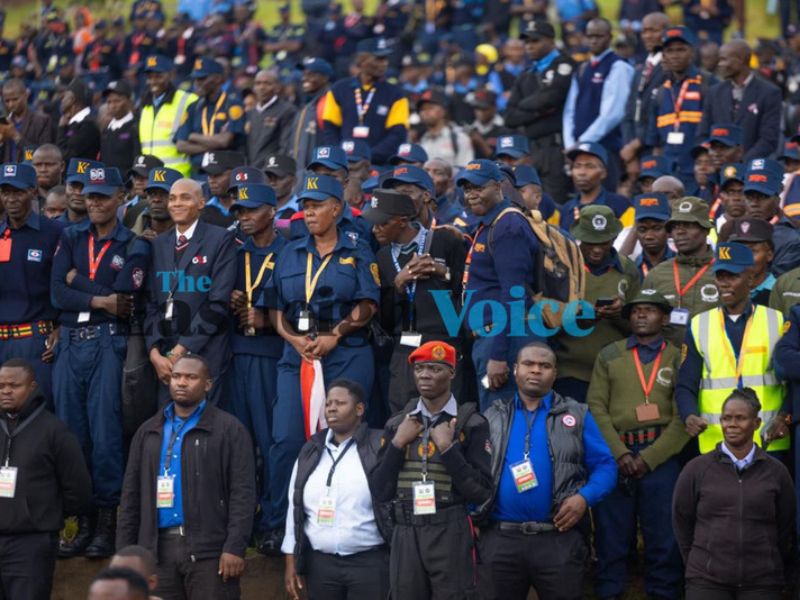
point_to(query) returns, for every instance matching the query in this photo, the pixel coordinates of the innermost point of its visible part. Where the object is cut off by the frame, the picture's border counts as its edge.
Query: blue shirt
(644, 265)
(541, 65)
(622, 207)
(351, 222)
(221, 115)
(494, 271)
(647, 352)
(121, 268)
(173, 517)
(214, 201)
(25, 291)
(266, 342)
(536, 504)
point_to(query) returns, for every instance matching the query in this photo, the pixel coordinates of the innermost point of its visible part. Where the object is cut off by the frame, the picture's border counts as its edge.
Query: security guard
(163, 112)
(589, 170)
(137, 179)
(651, 215)
(97, 268)
(216, 121)
(756, 234)
(409, 154)
(685, 280)
(434, 461)
(324, 291)
(730, 204)
(499, 267)
(727, 347)
(413, 262)
(218, 166)
(611, 281)
(631, 396)
(27, 244)
(537, 101)
(155, 219)
(367, 107)
(77, 172)
(677, 107)
(255, 344)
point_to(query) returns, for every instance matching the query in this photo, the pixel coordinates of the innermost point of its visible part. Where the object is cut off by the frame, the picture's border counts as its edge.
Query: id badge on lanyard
(8, 481)
(165, 491)
(326, 513)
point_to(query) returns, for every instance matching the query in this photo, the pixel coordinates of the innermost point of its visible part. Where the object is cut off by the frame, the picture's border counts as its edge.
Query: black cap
(220, 161)
(385, 204)
(435, 96)
(280, 165)
(746, 229)
(143, 164)
(118, 87)
(482, 99)
(537, 29)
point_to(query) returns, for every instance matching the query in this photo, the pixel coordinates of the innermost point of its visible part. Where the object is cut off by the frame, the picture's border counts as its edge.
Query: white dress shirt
(354, 528)
(740, 464)
(188, 233)
(80, 115)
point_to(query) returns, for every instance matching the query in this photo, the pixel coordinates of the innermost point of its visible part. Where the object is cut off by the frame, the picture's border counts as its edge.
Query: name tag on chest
(8, 482)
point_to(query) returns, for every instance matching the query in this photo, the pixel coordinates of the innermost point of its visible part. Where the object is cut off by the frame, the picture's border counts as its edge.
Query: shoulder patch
(786, 326)
(564, 69)
(373, 268)
(684, 352)
(235, 112)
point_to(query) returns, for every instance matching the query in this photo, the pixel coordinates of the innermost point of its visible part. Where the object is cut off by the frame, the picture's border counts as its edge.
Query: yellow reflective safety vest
(157, 130)
(719, 377)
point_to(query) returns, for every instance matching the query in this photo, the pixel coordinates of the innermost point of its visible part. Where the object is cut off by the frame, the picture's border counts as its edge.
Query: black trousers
(353, 577)
(552, 563)
(27, 562)
(701, 590)
(434, 561)
(547, 156)
(181, 578)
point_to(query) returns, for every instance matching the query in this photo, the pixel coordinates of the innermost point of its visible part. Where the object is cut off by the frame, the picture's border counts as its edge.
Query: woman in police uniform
(324, 291)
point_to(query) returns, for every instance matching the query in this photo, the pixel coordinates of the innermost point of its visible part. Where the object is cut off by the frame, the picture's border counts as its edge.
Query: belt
(526, 528)
(172, 531)
(641, 437)
(25, 330)
(404, 515)
(90, 332)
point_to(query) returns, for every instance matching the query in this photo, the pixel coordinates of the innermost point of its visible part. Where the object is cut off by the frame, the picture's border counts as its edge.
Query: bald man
(745, 99)
(190, 282)
(269, 124)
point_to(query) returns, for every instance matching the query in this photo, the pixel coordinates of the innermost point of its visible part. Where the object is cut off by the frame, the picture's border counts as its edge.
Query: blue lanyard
(411, 288)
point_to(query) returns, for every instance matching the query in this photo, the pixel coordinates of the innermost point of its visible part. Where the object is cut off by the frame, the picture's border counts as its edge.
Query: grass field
(758, 22)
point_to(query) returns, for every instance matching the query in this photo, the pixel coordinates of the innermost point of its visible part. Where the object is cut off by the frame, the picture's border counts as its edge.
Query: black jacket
(52, 478)
(218, 478)
(735, 528)
(537, 99)
(79, 140)
(367, 444)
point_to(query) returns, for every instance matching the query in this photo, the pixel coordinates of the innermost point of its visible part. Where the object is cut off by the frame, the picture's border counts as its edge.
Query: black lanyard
(337, 460)
(426, 436)
(176, 431)
(529, 422)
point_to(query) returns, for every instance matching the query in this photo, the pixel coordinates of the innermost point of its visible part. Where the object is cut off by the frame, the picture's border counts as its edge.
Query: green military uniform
(786, 292)
(620, 279)
(695, 295)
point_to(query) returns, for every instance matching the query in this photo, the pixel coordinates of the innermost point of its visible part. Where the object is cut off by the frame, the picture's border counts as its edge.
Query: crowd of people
(545, 283)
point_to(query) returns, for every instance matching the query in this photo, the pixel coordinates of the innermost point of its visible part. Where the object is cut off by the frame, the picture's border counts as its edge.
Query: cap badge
(685, 207)
(599, 222)
(438, 352)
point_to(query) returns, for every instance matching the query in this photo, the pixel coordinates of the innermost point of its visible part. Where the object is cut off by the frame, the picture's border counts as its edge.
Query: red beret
(434, 352)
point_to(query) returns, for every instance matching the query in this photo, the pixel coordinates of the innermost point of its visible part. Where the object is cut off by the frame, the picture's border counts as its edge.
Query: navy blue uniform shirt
(121, 269)
(25, 289)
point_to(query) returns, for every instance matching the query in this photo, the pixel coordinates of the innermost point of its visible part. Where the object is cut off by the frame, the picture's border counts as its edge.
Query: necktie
(409, 249)
(181, 245)
(594, 62)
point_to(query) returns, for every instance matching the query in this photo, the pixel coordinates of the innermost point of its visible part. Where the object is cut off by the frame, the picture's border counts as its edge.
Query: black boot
(77, 546)
(102, 544)
(271, 543)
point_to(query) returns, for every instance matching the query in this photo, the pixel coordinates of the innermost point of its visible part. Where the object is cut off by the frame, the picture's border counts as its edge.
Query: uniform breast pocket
(346, 282)
(290, 284)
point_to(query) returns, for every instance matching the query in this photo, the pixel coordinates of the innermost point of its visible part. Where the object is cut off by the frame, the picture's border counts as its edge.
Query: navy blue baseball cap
(320, 187)
(246, 175)
(375, 46)
(479, 172)
(763, 175)
(254, 195)
(162, 178)
(104, 181)
(654, 166)
(78, 169)
(526, 175)
(409, 174)
(589, 148)
(727, 134)
(157, 63)
(515, 146)
(652, 206)
(731, 172)
(762, 164)
(316, 65)
(409, 153)
(372, 183)
(791, 151)
(332, 157)
(203, 67)
(357, 150)
(679, 33)
(19, 175)
(732, 257)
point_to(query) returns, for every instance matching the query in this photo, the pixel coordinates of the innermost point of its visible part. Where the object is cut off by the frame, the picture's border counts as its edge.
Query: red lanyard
(93, 264)
(692, 281)
(678, 104)
(468, 262)
(648, 387)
